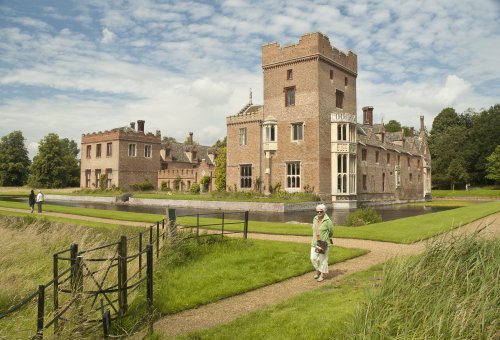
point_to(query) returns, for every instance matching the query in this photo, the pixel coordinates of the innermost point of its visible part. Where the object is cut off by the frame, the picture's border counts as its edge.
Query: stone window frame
(289, 96)
(339, 99)
(289, 74)
(364, 154)
(109, 149)
(270, 133)
(109, 178)
(388, 158)
(343, 132)
(148, 151)
(243, 136)
(377, 154)
(365, 180)
(293, 175)
(342, 175)
(132, 149)
(98, 150)
(297, 131)
(88, 176)
(331, 74)
(245, 176)
(89, 151)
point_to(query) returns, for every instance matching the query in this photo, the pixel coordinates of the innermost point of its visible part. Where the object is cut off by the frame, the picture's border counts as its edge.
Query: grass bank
(26, 248)
(452, 291)
(197, 273)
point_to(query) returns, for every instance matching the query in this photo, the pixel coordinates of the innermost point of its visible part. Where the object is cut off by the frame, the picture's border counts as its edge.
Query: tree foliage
(14, 160)
(56, 164)
(395, 126)
(468, 138)
(220, 169)
(493, 165)
(220, 143)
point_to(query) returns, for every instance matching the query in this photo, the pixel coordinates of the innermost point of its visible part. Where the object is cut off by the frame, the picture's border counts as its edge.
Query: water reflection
(389, 212)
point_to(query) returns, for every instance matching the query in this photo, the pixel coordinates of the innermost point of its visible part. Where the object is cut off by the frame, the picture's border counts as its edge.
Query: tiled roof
(178, 151)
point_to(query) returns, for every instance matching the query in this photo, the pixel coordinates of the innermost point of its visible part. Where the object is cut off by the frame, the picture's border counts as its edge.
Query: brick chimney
(422, 126)
(190, 138)
(368, 115)
(140, 126)
(132, 125)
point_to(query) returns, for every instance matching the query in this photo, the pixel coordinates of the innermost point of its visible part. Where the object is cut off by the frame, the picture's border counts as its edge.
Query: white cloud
(107, 36)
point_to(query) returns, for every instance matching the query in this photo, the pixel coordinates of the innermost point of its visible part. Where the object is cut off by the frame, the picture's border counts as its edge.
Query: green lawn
(199, 273)
(405, 230)
(473, 193)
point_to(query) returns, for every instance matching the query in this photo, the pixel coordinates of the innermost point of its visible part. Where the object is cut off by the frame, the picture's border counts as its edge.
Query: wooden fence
(92, 288)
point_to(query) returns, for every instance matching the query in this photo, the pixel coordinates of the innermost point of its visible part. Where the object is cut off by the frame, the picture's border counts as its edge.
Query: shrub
(363, 216)
(164, 186)
(195, 189)
(205, 180)
(142, 186)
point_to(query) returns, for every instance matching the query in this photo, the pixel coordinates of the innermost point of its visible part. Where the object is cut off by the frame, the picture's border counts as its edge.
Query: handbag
(321, 245)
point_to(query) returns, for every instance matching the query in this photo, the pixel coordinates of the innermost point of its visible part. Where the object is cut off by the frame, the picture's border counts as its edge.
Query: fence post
(78, 287)
(140, 255)
(73, 249)
(41, 311)
(157, 239)
(222, 226)
(163, 230)
(172, 220)
(122, 274)
(197, 226)
(56, 294)
(106, 323)
(149, 284)
(150, 234)
(245, 227)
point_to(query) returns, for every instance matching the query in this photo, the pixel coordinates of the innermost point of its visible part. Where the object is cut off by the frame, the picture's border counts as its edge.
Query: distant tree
(457, 174)
(445, 119)
(483, 138)
(393, 126)
(220, 169)
(220, 143)
(168, 139)
(14, 160)
(56, 164)
(493, 165)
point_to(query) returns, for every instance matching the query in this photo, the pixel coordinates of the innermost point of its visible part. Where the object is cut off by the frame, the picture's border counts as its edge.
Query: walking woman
(31, 200)
(322, 232)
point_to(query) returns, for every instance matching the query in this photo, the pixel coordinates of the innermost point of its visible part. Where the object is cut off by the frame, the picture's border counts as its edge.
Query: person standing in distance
(39, 200)
(32, 200)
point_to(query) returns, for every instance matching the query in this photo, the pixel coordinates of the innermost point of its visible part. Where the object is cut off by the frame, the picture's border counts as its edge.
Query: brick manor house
(127, 156)
(306, 137)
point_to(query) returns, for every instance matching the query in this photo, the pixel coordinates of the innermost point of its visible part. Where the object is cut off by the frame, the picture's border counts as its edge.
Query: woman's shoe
(320, 278)
(316, 275)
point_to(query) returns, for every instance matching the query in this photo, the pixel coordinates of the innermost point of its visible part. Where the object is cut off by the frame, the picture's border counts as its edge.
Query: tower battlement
(310, 45)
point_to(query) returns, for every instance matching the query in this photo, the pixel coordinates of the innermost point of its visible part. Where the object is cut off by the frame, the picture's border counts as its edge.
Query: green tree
(483, 138)
(56, 164)
(393, 126)
(493, 165)
(445, 119)
(457, 174)
(14, 160)
(220, 143)
(220, 169)
(168, 139)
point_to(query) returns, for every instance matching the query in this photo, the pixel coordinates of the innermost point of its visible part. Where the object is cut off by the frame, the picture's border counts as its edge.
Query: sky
(73, 67)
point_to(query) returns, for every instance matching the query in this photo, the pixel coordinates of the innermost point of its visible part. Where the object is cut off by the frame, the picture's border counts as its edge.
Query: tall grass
(452, 291)
(26, 248)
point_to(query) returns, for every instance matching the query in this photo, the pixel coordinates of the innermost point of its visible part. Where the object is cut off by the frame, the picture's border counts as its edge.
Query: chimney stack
(140, 126)
(368, 115)
(422, 127)
(132, 125)
(190, 138)
(412, 132)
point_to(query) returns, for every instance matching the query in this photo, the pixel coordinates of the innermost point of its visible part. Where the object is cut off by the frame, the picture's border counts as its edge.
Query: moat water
(388, 212)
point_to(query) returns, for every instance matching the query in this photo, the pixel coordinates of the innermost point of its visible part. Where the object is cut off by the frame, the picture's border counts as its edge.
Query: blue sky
(73, 67)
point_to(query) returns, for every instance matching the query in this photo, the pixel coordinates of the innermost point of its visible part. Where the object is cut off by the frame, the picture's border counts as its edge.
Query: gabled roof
(178, 151)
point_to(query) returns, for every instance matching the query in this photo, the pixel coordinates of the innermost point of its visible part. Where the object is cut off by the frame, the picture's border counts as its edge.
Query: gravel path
(229, 309)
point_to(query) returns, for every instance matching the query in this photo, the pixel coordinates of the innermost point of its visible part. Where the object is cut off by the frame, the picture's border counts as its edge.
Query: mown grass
(317, 314)
(26, 247)
(444, 203)
(197, 273)
(452, 291)
(473, 193)
(405, 230)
